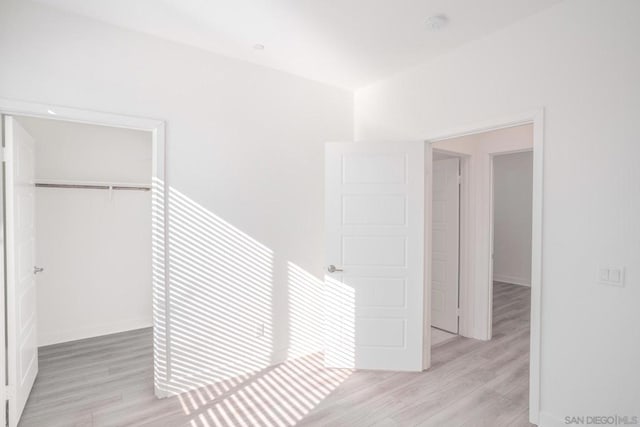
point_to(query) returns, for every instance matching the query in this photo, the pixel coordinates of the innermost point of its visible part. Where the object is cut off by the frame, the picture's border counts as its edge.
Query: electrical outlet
(260, 330)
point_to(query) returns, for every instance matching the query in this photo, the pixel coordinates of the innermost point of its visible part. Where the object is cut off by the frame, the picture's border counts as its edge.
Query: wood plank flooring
(108, 381)
(438, 336)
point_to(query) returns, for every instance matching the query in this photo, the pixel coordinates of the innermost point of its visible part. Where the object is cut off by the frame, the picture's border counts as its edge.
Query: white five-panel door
(445, 244)
(374, 227)
(22, 351)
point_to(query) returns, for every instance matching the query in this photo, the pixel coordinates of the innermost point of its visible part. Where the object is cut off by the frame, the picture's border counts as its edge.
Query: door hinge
(9, 392)
(458, 311)
(459, 179)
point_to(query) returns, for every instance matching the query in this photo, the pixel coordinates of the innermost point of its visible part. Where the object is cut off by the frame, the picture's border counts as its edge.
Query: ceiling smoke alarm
(437, 22)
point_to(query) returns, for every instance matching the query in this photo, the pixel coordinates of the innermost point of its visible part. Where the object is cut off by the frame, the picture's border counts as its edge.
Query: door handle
(37, 270)
(332, 269)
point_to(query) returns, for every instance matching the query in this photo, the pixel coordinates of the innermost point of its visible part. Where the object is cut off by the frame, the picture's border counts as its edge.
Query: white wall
(95, 249)
(475, 207)
(245, 150)
(512, 198)
(580, 60)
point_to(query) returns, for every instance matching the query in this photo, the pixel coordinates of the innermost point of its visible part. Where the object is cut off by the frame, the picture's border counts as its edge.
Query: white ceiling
(348, 43)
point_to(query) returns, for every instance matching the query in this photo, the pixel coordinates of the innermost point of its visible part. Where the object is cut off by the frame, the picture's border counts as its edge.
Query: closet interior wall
(93, 241)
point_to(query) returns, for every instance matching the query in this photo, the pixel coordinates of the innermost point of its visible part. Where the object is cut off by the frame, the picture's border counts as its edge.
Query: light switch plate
(611, 275)
(615, 275)
(603, 274)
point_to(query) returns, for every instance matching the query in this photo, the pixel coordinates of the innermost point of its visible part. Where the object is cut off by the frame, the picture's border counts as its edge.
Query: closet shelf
(92, 185)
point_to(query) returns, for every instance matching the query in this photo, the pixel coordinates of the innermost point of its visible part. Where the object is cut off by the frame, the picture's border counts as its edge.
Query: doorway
(477, 149)
(462, 226)
(511, 217)
(94, 228)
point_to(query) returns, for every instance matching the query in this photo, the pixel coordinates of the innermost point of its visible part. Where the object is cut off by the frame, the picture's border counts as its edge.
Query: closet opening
(78, 205)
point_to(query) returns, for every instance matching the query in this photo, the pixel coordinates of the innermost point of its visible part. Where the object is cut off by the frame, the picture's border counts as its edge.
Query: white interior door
(374, 227)
(445, 244)
(22, 351)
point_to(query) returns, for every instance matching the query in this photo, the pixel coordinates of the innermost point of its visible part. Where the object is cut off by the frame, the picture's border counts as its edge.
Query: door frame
(536, 118)
(158, 213)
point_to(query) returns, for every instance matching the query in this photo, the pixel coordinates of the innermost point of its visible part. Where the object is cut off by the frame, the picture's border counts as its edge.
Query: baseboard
(279, 356)
(512, 280)
(161, 391)
(61, 336)
(284, 354)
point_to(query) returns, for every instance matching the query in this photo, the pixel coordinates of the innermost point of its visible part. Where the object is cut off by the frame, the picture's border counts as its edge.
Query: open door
(19, 193)
(374, 227)
(445, 244)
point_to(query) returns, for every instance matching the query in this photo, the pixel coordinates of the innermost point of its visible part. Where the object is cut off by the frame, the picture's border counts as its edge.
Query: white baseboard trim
(512, 279)
(550, 420)
(61, 336)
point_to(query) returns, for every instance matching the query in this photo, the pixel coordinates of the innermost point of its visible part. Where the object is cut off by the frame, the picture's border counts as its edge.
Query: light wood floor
(107, 381)
(438, 336)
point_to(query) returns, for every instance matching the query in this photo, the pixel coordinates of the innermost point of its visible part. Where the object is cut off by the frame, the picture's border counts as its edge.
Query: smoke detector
(436, 22)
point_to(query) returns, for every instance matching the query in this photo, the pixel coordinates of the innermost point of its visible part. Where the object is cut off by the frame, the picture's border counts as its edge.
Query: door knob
(37, 270)
(332, 269)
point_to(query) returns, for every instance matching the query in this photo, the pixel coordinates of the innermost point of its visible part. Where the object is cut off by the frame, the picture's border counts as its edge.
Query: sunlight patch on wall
(219, 298)
(214, 323)
(305, 312)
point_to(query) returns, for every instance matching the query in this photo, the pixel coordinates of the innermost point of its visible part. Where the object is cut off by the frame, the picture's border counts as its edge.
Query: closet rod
(95, 186)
